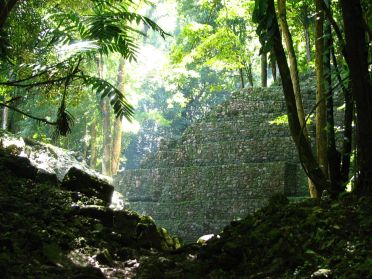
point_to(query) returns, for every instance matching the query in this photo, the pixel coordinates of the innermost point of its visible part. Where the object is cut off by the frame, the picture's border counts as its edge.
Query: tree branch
(16, 82)
(28, 115)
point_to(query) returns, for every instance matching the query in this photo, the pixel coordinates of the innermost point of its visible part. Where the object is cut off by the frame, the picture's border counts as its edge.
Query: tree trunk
(294, 75)
(292, 62)
(357, 60)
(93, 145)
(5, 10)
(4, 121)
(273, 68)
(116, 145)
(241, 74)
(303, 146)
(106, 128)
(264, 69)
(305, 19)
(118, 126)
(249, 74)
(333, 156)
(308, 44)
(321, 135)
(86, 143)
(13, 117)
(348, 120)
(107, 139)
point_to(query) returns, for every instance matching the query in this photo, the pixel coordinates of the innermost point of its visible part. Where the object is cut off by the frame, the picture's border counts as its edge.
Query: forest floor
(44, 235)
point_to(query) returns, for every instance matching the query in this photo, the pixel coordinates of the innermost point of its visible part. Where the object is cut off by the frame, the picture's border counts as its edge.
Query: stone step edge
(215, 166)
(181, 144)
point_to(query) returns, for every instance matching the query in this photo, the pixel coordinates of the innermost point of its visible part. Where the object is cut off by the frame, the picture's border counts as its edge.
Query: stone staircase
(224, 166)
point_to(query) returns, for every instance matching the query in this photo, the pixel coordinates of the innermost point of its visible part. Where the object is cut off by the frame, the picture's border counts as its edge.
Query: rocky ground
(61, 226)
(52, 228)
(310, 239)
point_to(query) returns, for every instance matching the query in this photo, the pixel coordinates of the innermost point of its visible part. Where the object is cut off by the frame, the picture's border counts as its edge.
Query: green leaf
(118, 101)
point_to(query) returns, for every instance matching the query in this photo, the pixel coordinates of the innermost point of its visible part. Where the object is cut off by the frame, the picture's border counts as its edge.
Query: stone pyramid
(224, 166)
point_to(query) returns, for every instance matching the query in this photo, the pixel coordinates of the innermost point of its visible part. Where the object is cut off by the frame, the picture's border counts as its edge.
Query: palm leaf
(111, 26)
(118, 101)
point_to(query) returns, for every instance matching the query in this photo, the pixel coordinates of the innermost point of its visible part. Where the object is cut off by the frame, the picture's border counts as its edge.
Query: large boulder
(102, 213)
(20, 166)
(52, 162)
(23, 168)
(80, 181)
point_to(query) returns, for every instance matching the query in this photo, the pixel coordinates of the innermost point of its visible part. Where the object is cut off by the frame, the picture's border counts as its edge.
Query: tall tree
(305, 20)
(321, 120)
(264, 69)
(357, 60)
(294, 73)
(93, 144)
(292, 61)
(333, 156)
(118, 125)
(106, 126)
(268, 31)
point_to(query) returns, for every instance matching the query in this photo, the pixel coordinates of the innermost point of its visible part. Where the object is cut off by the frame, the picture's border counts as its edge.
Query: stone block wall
(205, 198)
(225, 165)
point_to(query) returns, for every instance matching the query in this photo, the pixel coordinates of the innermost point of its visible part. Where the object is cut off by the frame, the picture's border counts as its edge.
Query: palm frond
(111, 26)
(138, 19)
(118, 101)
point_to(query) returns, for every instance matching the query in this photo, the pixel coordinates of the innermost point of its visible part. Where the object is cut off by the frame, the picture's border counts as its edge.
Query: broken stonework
(225, 165)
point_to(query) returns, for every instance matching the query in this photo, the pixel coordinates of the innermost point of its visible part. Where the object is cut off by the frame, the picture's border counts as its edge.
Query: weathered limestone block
(79, 181)
(20, 166)
(125, 222)
(102, 213)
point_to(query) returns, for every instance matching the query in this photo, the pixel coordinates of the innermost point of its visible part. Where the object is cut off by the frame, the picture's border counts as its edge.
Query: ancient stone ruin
(225, 165)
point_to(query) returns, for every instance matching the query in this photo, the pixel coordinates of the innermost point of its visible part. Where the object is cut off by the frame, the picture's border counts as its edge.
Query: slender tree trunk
(13, 117)
(292, 62)
(294, 75)
(86, 143)
(302, 144)
(116, 146)
(333, 156)
(264, 69)
(307, 44)
(273, 68)
(348, 120)
(249, 74)
(4, 122)
(106, 128)
(357, 60)
(93, 145)
(118, 130)
(107, 139)
(241, 75)
(321, 134)
(348, 135)
(306, 24)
